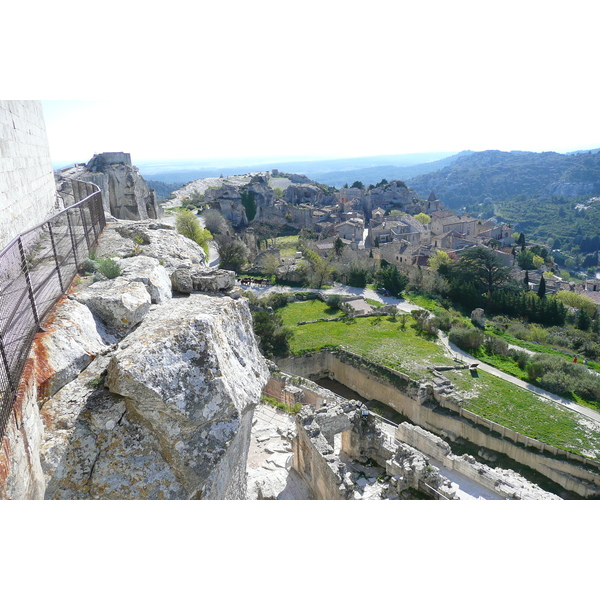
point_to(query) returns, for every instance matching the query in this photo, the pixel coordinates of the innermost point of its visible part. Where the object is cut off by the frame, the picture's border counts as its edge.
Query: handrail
(36, 269)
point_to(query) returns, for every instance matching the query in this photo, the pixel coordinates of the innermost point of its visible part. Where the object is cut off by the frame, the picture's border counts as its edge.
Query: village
(386, 222)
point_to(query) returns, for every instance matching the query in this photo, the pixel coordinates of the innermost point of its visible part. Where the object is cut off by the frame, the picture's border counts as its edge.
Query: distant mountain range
(335, 172)
(496, 176)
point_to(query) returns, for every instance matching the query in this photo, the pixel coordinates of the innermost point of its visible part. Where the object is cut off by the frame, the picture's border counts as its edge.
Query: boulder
(189, 279)
(192, 372)
(67, 346)
(151, 273)
(119, 303)
(152, 239)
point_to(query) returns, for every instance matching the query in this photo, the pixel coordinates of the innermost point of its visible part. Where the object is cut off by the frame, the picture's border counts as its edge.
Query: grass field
(287, 245)
(385, 342)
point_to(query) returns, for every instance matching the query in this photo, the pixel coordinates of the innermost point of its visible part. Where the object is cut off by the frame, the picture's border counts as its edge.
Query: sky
(317, 79)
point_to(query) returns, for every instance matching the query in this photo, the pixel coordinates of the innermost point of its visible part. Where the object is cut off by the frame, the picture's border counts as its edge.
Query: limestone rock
(119, 303)
(93, 449)
(187, 280)
(150, 239)
(68, 346)
(151, 273)
(192, 372)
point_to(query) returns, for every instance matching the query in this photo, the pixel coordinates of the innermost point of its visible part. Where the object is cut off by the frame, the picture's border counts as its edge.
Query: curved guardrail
(36, 269)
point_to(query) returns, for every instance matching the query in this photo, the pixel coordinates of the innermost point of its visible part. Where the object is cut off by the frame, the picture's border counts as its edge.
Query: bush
(108, 267)
(334, 301)
(494, 345)
(467, 338)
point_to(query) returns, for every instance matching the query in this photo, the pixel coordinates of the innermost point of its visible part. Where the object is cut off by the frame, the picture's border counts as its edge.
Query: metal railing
(36, 269)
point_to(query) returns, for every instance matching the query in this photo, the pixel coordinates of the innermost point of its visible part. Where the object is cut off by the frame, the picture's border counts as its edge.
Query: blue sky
(324, 79)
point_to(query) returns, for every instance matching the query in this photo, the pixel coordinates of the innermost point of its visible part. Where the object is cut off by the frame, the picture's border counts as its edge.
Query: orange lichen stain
(5, 456)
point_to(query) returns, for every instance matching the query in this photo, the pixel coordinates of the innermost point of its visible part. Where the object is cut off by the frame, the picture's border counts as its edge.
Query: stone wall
(27, 190)
(419, 405)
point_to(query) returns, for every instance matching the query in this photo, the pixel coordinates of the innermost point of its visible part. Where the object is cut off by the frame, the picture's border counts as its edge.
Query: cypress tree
(526, 281)
(542, 289)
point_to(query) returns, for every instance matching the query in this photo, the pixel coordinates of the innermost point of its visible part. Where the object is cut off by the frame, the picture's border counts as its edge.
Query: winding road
(453, 350)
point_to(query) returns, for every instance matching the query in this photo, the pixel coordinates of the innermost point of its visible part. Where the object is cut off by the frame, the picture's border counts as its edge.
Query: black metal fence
(36, 269)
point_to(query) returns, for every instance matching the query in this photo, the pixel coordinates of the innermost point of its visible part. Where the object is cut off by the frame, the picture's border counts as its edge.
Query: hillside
(498, 176)
(544, 194)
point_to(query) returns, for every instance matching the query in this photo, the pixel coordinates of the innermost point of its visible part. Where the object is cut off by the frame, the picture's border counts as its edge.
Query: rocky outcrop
(192, 374)
(131, 392)
(119, 303)
(125, 194)
(152, 239)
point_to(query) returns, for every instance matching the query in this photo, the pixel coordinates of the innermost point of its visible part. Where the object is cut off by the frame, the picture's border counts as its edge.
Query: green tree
(233, 253)
(338, 246)
(391, 279)
(438, 259)
(482, 267)
(188, 225)
(249, 204)
(423, 218)
(358, 184)
(273, 336)
(542, 288)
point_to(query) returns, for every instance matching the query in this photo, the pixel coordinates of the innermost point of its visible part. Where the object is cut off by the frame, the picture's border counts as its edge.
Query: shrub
(467, 338)
(494, 345)
(333, 301)
(108, 267)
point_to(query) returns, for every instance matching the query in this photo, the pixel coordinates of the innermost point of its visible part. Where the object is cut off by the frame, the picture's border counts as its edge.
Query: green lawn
(288, 245)
(383, 341)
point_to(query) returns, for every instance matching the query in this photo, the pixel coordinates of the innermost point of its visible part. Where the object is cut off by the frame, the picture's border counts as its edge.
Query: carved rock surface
(118, 303)
(192, 373)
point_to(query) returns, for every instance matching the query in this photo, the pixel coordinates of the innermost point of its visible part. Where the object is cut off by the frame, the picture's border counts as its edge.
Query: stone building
(27, 190)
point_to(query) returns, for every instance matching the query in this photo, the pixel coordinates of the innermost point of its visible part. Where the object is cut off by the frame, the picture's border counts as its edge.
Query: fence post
(60, 281)
(72, 239)
(85, 229)
(25, 270)
(6, 365)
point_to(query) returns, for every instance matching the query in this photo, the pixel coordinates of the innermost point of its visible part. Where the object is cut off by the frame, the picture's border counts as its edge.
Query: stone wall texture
(27, 189)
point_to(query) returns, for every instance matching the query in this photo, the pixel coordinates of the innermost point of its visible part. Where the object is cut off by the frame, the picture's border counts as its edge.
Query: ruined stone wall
(27, 190)
(420, 407)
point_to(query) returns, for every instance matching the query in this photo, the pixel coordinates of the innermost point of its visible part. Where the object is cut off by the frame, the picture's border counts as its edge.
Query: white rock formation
(71, 343)
(192, 373)
(151, 273)
(119, 303)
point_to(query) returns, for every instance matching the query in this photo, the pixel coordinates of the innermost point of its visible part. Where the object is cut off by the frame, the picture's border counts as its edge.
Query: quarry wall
(419, 404)
(27, 189)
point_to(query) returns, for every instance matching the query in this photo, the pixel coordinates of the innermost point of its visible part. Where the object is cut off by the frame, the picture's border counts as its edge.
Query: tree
(215, 222)
(526, 281)
(358, 184)
(423, 218)
(249, 204)
(391, 279)
(542, 288)
(188, 225)
(438, 259)
(233, 253)
(320, 269)
(338, 246)
(273, 337)
(482, 267)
